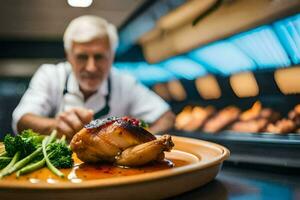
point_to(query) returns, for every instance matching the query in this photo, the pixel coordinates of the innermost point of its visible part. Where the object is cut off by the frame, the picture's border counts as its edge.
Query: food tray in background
(253, 148)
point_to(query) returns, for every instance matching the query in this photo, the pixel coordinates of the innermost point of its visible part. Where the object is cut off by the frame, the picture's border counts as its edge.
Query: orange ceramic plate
(202, 162)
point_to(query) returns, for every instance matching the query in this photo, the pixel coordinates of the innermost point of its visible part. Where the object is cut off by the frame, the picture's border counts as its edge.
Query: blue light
(184, 68)
(266, 47)
(145, 73)
(223, 58)
(288, 31)
(263, 47)
(127, 67)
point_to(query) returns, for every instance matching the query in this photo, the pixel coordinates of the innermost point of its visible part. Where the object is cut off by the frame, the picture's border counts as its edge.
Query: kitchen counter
(244, 183)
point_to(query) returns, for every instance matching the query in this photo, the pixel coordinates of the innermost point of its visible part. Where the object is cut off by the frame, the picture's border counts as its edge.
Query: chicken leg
(146, 152)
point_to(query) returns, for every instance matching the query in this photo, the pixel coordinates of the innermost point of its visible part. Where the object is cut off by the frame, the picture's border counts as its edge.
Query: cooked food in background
(255, 119)
(222, 119)
(252, 113)
(251, 126)
(294, 115)
(183, 118)
(290, 125)
(121, 141)
(269, 114)
(282, 126)
(258, 112)
(199, 116)
(191, 119)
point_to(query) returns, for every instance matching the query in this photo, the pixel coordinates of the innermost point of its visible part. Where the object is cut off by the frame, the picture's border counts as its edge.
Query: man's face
(91, 63)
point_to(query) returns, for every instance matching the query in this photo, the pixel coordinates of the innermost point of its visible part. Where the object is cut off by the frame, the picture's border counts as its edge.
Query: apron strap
(65, 91)
(104, 111)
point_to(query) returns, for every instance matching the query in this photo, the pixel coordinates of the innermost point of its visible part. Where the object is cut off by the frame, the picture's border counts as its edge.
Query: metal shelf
(255, 148)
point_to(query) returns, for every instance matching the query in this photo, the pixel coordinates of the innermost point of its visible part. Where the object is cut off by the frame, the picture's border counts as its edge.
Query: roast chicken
(222, 119)
(121, 141)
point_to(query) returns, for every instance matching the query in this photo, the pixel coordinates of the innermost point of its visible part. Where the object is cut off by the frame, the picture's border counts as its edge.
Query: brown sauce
(82, 172)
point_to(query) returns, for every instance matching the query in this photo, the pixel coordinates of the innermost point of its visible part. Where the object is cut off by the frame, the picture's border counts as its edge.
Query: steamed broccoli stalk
(3, 154)
(4, 161)
(24, 161)
(57, 152)
(48, 162)
(39, 161)
(27, 141)
(31, 151)
(31, 167)
(57, 155)
(11, 164)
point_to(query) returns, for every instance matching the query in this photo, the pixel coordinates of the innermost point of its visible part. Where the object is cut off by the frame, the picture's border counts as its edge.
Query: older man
(68, 95)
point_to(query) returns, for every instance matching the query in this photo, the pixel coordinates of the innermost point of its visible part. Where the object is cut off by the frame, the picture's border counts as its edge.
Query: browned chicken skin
(120, 141)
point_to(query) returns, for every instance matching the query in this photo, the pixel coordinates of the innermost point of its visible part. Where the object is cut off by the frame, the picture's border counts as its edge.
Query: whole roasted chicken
(119, 140)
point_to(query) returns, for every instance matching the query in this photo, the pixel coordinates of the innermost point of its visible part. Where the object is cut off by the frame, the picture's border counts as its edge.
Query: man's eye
(98, 57)
(82, 57)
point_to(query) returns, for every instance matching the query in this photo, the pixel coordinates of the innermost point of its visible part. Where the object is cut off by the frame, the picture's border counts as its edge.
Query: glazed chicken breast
(119, 140)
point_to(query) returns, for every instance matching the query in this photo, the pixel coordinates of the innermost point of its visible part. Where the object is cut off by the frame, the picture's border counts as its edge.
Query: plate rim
(111, 182)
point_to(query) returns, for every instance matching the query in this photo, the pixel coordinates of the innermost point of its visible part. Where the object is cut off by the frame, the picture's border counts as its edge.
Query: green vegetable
(3, 154)
(31, 167)
(25, 143)
(24, 161)
(60, 155)
(12, 162)
(49, 164)
(32, 151)
(39, 160)
(35, 138)
(143, 124)
(4, 161)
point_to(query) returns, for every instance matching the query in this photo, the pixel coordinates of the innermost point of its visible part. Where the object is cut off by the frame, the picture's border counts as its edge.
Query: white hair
(87, 28)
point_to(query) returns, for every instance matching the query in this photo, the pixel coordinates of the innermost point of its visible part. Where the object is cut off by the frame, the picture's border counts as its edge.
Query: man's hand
(70, 122)
(164, 123)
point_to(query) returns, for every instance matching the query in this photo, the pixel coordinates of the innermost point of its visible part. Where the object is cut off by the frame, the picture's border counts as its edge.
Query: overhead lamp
(176, 90)
(208, 87)
(287, 79)
(244, 84)
(80, 3)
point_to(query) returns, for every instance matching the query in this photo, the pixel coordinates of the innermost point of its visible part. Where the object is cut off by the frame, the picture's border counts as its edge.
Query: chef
(68, 95)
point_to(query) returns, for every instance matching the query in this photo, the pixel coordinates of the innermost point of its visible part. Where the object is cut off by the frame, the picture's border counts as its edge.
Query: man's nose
(91, 64)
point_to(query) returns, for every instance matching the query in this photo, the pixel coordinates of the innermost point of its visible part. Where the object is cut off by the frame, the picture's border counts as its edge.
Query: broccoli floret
(13, 145)
(34, 138)
(10, 143)
(60, 155)
(25, 143)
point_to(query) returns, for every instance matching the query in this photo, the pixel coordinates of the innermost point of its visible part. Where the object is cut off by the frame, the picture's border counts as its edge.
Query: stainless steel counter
(235, 183)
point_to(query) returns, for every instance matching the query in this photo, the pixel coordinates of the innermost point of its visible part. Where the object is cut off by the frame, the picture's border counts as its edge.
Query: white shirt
(45, 97)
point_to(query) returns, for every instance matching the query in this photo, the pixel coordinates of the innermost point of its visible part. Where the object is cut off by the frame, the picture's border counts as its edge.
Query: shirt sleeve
(144, 103)
(39, 97)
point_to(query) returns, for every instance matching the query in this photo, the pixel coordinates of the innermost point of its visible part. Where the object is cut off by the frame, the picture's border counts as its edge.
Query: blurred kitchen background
(199, 55)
